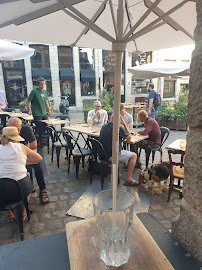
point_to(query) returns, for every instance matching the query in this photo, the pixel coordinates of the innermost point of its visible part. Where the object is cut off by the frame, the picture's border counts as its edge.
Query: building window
(86, 56)
(87, 88)
(139, 86)
(17, 64)
(87, 72)
(108, 61)
(169, 88)
(41, 58)
(67, 88)
(65, 57)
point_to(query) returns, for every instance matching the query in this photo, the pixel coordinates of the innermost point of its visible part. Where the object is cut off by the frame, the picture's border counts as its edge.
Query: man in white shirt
(98, 116)
(126, 116)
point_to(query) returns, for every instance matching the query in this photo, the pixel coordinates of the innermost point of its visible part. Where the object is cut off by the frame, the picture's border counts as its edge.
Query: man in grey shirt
(126, 116)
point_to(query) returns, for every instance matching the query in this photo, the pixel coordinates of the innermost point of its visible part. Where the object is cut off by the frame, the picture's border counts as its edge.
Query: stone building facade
(85, 77)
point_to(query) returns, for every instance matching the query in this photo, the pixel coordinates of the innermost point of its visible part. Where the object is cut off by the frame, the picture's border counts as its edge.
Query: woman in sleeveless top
(14, 157)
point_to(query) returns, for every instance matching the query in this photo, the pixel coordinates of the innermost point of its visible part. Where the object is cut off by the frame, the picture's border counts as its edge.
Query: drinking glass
(90, 122)
(113, 227)
(79, 123)
(130, 127)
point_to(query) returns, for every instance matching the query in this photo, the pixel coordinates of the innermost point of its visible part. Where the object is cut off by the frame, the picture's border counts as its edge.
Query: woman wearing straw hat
(13, 160)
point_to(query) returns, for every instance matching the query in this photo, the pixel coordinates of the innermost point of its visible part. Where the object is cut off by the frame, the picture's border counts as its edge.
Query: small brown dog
(156, 174)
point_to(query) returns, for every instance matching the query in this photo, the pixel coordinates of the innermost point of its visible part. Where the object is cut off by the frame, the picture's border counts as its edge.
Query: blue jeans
(153, 114)
(39, 174)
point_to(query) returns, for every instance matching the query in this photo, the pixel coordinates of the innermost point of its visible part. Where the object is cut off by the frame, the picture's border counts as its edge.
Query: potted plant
(107, 100)
(174, 117)
(86, 109)
(23, 105)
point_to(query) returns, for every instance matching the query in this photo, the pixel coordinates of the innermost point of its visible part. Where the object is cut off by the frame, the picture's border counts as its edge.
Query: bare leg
(24, 213)
(131, 165)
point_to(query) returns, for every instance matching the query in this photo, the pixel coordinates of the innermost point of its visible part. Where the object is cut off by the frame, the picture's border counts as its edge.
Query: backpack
(157, 99)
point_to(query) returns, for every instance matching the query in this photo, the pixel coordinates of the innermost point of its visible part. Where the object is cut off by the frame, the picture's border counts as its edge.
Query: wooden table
(145, 253)
(177, 145)
(54, 122)
(84, 129)
(23, 116)
(51, 251)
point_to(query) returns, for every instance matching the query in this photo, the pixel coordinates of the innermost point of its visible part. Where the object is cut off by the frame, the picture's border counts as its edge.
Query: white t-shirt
(128, 119)
(99, 122)
(12, 161)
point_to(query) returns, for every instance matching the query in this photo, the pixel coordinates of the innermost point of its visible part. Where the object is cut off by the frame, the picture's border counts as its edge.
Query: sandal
(43, 197)
(131, 183)
(11, 219)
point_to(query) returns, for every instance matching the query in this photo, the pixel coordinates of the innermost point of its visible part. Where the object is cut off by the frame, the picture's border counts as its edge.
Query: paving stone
(177, 201)
(43, 216)
(55, 224)
(52, 181)
(63, 197)
(53, 198)
(155, 206)
(60, 213)
(76, 195)
(36, 227)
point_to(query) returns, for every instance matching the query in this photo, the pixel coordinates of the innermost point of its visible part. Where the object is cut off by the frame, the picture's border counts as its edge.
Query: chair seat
(178, 172)
(58, 144)
(84, 151)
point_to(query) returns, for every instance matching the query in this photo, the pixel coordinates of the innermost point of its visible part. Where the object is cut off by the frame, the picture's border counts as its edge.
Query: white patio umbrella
(160, 69)
(106, 24)
(10, 51)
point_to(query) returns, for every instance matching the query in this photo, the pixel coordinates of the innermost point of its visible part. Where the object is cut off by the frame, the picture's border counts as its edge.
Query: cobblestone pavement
(64, 190)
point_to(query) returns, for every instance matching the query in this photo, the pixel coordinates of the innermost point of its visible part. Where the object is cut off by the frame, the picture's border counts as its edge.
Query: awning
(66, 74)
(40, 72)
(87, 75)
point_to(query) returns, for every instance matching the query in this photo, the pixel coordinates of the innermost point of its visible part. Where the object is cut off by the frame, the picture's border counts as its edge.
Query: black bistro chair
(99, 156)
(165, 132)
(7, 203)
(62, 117)
(57, 144)
(78, 153)
(42, 133)
(9, 110)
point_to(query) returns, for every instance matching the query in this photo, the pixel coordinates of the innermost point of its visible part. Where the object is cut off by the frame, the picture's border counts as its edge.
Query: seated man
(152, 129)
(98, 116)
(125, 156)
(126, 116)
(27, 134)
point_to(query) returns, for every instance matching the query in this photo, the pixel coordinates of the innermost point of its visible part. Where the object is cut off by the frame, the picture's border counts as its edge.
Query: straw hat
(12, 134)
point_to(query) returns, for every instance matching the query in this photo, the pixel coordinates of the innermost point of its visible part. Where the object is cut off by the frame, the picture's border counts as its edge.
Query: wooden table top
(54, 122)
(177, 145)
(92, 131)
(135, 138)
(20, 115)
(145, 253)
(95, 131)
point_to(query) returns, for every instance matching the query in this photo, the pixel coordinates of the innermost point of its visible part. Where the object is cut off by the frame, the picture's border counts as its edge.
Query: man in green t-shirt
(39, 101)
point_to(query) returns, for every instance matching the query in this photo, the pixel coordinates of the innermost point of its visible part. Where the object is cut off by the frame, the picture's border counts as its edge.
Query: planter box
(178, 123)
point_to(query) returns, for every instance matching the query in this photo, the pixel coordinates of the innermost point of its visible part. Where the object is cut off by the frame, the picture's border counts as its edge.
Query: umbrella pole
(117, 99)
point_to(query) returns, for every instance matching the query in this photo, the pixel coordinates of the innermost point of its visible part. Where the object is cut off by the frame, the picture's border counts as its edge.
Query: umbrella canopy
(11, 51)
(106, 24)
(160, 69)
(156, 24)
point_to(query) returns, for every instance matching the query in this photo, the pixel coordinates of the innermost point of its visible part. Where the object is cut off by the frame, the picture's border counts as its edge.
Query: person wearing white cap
(14, 157)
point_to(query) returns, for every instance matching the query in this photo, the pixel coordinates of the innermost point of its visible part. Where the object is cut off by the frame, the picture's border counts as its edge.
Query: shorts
(124, 156)
(9, 191)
